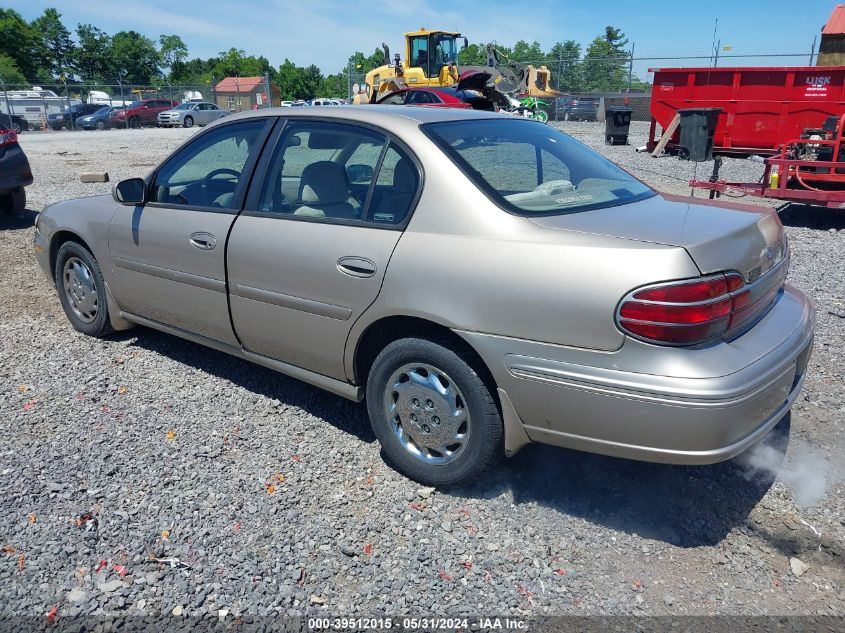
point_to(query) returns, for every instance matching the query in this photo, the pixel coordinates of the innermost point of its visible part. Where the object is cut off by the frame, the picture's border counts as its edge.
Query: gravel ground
(273, 498)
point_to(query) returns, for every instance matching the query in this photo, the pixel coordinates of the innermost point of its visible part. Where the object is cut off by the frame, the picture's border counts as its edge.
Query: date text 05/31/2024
(422, 624)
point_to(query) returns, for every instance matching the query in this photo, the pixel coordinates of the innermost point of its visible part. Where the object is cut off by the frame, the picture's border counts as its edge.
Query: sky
(326, 32)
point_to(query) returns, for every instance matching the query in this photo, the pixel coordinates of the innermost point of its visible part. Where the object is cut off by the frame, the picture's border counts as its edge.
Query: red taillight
(690, 312)
(7, 137)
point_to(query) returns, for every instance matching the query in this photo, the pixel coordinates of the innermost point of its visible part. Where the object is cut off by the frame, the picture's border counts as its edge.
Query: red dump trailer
(762, 107)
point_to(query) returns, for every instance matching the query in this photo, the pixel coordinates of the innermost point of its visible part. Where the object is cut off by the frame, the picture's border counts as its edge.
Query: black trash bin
(617, 121)
(698, 125)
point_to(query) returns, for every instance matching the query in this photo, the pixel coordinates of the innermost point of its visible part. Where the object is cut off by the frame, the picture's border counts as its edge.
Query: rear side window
(530, 168)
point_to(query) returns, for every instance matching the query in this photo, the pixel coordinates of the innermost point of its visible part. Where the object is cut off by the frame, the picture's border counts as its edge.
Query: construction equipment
(431, 59)
(807, 170)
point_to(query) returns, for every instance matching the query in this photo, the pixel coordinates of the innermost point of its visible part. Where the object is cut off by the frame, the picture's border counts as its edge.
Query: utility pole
(631, 66)
(716, 60)
(267, 88)
(812, 50)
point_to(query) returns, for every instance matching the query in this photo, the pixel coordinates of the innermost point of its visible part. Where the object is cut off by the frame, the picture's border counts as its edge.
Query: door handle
(356, 266)
(203, 241)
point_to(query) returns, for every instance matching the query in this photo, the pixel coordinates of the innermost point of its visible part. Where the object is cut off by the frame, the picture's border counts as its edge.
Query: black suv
(15, 173)
(63, 119)
(578, 108)
(16, 123)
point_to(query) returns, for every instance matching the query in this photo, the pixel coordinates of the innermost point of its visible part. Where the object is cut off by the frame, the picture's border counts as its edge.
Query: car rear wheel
(82, 290)
(134, 123)
(14, 201)
(188, 122)
(433, 414)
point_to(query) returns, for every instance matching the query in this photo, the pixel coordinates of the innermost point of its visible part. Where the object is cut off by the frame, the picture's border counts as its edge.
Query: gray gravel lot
(274, 498)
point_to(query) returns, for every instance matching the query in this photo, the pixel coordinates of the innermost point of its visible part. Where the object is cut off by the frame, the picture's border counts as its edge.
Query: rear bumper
(686, 418)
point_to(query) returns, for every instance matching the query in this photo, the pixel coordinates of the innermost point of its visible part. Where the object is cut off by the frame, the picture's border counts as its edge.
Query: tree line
(45, 51)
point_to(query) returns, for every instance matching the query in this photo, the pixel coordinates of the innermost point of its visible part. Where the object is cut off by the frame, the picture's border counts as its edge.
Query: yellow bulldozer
(431, 59)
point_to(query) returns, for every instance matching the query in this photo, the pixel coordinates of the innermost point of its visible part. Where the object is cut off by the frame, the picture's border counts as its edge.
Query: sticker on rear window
(383, 217)
(584, 197)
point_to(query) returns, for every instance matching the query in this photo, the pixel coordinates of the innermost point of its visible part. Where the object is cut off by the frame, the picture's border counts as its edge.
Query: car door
(203, 115)
(303, 261)
(168, 255)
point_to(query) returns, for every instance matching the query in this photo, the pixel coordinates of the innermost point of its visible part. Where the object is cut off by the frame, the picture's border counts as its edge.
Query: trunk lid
(718, 236)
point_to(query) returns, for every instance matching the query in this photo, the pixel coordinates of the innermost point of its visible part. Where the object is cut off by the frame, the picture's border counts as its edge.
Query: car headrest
(323, 182)
(404, 180)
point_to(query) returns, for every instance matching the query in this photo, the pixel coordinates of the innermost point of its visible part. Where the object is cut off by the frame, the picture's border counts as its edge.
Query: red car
(471, 91)
(140, 113)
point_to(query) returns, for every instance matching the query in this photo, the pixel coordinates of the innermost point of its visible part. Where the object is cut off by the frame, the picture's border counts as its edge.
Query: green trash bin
(617, 122)
(698, 125)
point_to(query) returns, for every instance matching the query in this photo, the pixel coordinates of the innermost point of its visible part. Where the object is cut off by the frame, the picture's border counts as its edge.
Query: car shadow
(15, 221)
(343, 414)
(686, 506)
(812, 217)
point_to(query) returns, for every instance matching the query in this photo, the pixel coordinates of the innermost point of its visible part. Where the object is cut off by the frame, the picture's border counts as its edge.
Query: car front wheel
(134, 123)
(101, 125)
(82, 290)
(434, 415)
(188, 122)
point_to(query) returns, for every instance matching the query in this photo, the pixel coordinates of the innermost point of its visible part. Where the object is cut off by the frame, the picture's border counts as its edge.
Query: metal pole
(812, 50)
(8, 105)
(716, 60)
(713, 45)
(269, 93)
(69, 112)
(631, 65)
(123, 102)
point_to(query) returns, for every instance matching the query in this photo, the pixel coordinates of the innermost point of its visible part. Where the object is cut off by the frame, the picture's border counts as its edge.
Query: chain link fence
(589, 85)
(30, 105)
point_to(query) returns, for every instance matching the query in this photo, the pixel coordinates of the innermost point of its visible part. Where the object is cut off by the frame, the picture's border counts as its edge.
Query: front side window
(531, 168)
(207, 172)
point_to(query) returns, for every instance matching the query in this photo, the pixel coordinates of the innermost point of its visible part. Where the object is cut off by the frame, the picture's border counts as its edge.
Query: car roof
(383, 115)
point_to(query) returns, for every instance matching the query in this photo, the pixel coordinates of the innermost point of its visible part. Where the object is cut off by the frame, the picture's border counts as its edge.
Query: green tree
(311, 79)
(54, 48)
(528, 53)
(172, 50)
(290, 80)
(564, 60)
(236, 63)
(9, 71)
(134, 57)
(606, 62)
(473, 55)
(333, 86)
(92, 54)
(18, 42)
(195, 72)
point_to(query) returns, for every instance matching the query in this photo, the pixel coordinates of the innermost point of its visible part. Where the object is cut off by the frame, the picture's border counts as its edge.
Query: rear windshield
(531, 168)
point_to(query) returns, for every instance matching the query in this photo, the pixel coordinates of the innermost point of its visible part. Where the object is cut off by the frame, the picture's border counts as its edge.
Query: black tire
(188, 122)
(57, 128)
(100, 125)
(17, 128)
(484, 445)
(134, 123)
(14, 201)
(100, 325)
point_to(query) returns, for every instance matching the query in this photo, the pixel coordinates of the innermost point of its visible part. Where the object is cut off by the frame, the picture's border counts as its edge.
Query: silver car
(190, 114)
(484, 281)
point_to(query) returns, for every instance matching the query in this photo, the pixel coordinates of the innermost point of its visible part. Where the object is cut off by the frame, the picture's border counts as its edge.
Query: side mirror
(359, 173)
(131, 191)
(466, 43)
